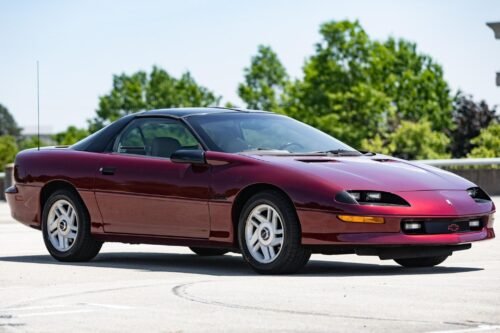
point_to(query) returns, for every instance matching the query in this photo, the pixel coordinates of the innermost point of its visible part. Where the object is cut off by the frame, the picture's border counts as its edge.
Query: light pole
(496, 29)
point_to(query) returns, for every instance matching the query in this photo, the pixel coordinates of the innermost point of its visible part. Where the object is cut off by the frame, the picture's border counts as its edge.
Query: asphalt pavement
(144, 288)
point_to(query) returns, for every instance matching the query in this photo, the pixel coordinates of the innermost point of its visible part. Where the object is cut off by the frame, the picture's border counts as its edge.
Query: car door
(140, 191)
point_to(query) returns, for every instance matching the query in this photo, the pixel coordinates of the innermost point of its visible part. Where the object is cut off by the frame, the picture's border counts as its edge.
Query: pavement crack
(180, 291)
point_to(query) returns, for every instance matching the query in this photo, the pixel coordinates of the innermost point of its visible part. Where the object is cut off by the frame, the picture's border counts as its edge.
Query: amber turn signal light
(361, 219)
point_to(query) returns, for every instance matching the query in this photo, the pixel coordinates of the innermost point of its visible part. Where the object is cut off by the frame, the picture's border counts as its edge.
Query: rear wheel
(421, 262)
(208, 251)
(269, 235)
(66, 228)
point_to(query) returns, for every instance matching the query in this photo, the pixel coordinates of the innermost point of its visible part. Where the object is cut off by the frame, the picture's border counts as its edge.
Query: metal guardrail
(461, 161)
(487, 176)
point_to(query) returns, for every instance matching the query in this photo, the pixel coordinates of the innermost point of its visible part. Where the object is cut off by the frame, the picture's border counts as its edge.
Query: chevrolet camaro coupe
(220, 180)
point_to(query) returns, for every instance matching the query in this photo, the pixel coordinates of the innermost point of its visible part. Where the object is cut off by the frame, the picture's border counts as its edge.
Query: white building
(496, 29)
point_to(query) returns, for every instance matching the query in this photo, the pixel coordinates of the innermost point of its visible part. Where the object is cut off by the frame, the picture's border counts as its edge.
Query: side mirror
(190, 156)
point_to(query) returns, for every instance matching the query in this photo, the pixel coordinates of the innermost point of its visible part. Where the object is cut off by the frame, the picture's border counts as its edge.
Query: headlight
(478, 195)
(370, 198)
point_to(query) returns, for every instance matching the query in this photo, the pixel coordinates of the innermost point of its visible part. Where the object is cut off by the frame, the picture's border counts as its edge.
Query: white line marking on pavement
(109, 306)
(480, 328)
(41, 307)
(12, 287)
(46, 307)
(53, 313)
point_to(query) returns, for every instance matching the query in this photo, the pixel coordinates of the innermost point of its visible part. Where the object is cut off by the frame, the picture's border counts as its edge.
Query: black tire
(421, 262)
(208, 251)
(85, 247)
(292, 256)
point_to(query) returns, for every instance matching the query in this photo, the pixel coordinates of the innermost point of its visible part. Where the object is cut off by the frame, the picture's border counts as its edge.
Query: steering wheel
(290, 144)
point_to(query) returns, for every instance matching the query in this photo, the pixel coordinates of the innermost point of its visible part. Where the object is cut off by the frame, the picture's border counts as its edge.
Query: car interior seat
(230, 140)
(164, 147)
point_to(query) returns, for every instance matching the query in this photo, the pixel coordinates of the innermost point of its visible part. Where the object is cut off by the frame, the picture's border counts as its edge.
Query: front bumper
(386, 253)
(395, 238)
(324, 228)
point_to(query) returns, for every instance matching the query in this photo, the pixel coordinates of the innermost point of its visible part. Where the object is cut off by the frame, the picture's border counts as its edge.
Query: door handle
(107, 171)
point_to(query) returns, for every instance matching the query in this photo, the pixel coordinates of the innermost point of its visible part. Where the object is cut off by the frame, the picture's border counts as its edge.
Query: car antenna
(38, 102)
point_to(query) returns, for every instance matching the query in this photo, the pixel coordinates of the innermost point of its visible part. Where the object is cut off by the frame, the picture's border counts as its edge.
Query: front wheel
(269, 235)
(66, 228)
(421, 262)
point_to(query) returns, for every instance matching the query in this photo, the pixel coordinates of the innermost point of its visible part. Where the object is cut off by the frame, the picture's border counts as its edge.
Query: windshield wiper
(367, 153)
(339, 152)
(266, 150)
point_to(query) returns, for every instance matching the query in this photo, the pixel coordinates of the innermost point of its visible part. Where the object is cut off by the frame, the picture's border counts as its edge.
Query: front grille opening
(441, 226)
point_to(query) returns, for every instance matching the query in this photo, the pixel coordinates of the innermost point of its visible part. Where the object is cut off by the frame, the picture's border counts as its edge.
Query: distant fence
(485, 172)
(2, 185)
(6, 179)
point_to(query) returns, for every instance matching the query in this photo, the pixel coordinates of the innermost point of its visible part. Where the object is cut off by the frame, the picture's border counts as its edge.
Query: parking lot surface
(144, 288)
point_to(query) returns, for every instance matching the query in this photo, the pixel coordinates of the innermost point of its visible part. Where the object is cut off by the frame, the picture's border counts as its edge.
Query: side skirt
(158, 240)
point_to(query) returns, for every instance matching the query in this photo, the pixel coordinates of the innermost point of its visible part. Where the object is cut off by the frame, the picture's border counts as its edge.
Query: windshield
(250, 132)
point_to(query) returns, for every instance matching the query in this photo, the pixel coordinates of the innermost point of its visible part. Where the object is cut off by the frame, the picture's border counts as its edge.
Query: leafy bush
(487, 143)
(8, 150)
(412, 141)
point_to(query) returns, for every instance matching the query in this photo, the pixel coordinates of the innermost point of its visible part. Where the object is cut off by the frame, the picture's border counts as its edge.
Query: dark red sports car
(265, 185)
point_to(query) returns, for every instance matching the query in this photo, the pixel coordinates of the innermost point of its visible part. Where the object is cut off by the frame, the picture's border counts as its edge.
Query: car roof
(185, 112)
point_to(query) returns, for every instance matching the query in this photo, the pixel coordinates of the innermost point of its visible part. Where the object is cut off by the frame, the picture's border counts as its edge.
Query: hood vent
(316, 160)
(383, 160)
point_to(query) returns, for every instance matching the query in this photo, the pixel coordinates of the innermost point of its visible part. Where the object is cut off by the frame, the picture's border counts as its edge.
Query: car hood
(379, 172)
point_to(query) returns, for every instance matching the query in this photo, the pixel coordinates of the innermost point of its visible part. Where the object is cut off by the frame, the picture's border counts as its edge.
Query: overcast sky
(81, 44)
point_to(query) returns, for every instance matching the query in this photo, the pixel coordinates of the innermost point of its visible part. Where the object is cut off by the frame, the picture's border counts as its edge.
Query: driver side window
(158, 137)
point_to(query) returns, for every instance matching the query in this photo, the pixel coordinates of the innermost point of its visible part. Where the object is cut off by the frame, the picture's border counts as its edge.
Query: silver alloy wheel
(62, 225)
(264, 233)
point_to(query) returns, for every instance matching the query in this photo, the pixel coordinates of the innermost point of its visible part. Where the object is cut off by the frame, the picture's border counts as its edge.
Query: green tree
(355, 88)
(469, 118)
(142, 91)
(8, 125)
(265, 81)
(70, 136)
(487, 143)
(414, 83)
(8, 150)
(412, 141)
(31, 142)
(333, 94)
